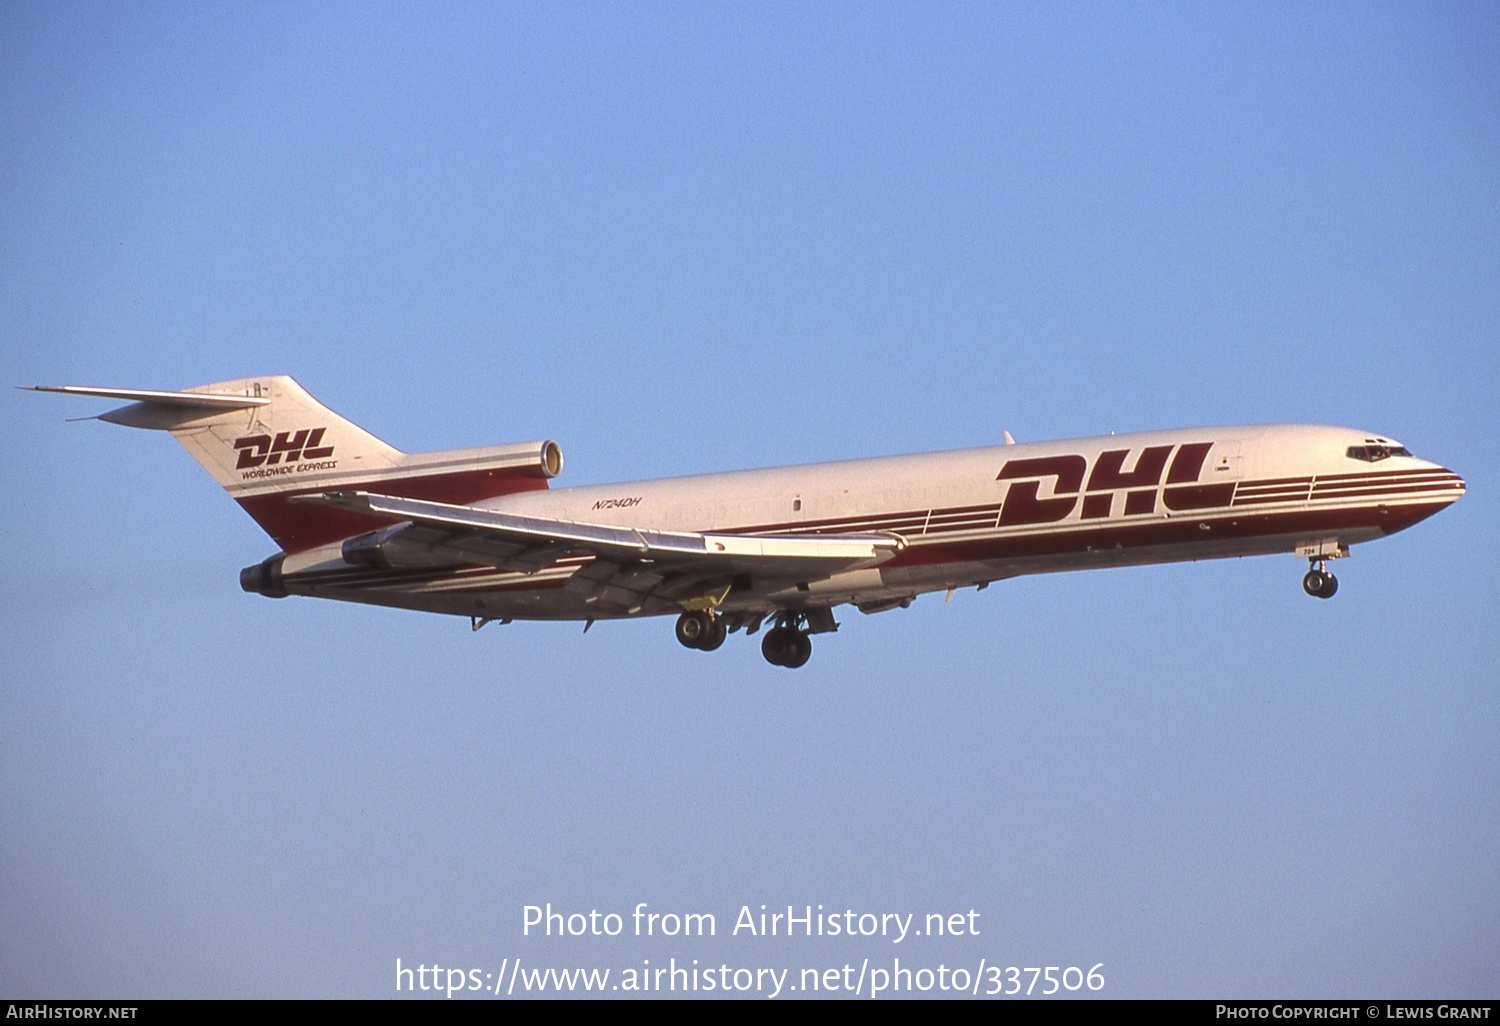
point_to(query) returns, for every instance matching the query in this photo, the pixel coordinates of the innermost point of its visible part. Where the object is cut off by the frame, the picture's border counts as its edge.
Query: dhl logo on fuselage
(1107, 476)
(263, 450)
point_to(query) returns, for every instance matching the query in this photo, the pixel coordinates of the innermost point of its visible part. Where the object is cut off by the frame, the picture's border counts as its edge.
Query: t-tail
(266, 440)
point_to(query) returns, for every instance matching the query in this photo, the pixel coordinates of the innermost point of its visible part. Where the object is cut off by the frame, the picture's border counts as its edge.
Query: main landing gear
(701, 630)
(786, 644)
(1318, 582)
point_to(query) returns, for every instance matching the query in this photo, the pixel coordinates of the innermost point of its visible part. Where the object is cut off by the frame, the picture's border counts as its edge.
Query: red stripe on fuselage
(1181, 530)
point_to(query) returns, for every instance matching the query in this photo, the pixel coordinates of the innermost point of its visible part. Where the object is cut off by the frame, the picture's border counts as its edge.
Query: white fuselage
(966, 517)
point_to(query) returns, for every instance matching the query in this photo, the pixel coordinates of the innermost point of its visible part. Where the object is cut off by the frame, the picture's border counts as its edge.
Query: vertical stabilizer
(266, 440)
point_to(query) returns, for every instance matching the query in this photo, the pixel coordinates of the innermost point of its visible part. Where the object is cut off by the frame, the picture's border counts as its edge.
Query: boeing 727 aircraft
(479, 533)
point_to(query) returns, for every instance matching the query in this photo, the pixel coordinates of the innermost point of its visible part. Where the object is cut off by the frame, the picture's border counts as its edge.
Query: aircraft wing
(630, 563)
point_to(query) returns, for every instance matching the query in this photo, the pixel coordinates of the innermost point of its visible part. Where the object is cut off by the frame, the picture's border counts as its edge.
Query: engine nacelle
(551, 459)
(391, 548)
(264, 578)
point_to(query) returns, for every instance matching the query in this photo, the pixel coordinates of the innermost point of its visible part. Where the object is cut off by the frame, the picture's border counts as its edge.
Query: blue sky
(681, 238)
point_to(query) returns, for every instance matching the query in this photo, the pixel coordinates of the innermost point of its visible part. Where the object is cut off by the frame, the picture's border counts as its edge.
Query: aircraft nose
(1449, 482)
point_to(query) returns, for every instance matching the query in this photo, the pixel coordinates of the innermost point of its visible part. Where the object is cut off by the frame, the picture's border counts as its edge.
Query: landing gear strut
(787, 645)
(701, 630)
(1318, 582)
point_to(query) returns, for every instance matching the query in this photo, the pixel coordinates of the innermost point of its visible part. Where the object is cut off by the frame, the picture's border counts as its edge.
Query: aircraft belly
(494, 602)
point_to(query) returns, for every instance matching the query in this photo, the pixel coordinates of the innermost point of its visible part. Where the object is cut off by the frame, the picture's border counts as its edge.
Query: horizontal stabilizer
(185, 400)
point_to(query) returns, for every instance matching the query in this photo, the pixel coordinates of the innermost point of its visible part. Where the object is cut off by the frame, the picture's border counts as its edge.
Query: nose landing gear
(1318, 582)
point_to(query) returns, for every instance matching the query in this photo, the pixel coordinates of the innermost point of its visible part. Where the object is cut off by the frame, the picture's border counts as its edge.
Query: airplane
(480, 533)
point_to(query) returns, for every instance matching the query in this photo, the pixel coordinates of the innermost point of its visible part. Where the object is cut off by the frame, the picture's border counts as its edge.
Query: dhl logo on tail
(264, 450)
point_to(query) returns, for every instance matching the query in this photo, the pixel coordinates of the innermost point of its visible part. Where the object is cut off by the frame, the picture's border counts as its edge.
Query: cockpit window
(1373, 453)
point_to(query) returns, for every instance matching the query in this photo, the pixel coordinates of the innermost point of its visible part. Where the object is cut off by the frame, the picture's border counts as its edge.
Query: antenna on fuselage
(1008, 440)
